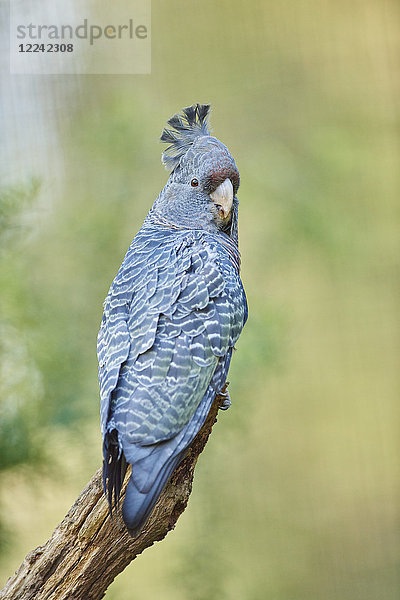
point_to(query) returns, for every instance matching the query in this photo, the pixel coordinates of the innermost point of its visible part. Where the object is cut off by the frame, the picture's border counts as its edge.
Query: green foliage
(20, 381)
(20, 392)
(13, 200)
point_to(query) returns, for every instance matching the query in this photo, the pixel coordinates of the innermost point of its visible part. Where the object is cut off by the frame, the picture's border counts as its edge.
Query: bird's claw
(225, 399)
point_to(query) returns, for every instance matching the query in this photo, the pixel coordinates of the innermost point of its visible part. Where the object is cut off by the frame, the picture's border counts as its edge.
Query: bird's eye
(194, 182)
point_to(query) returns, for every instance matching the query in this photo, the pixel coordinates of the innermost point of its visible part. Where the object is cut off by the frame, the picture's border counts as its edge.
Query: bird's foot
(224, 397)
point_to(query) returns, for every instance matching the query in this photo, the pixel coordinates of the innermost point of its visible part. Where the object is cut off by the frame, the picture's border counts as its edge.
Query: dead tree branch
(87, 549)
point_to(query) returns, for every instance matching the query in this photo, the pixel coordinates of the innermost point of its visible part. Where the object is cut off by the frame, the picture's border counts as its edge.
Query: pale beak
(223, 198)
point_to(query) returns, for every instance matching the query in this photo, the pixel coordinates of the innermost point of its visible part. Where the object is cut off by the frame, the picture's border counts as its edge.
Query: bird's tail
(152, 466)
(139, 502)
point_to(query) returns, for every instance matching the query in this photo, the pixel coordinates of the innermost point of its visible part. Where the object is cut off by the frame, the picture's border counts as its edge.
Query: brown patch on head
(222, 168)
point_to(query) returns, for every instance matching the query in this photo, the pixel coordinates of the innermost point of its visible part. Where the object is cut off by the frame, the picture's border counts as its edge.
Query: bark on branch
(87, 549)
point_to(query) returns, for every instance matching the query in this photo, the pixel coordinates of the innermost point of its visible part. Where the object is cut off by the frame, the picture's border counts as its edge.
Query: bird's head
(202, 187)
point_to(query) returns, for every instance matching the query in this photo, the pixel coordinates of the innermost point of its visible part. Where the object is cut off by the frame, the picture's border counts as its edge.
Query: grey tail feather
(114, 469)
(137, 505)
(186, 127)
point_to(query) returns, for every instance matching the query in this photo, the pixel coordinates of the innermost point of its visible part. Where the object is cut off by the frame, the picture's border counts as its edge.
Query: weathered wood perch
(87, 549)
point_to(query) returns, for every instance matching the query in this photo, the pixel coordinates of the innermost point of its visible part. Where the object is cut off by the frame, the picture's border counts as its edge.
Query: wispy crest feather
(186, 127)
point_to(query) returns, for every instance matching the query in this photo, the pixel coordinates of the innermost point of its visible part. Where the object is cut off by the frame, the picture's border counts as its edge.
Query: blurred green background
(296, 495)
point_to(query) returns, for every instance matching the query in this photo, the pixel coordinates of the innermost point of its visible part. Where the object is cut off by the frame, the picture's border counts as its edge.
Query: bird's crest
(186, 127)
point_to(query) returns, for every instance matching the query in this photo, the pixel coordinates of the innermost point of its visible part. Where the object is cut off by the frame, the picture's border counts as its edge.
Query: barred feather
(192, 124)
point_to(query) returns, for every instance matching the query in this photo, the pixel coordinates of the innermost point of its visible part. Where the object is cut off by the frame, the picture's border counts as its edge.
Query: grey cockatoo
(171, 318)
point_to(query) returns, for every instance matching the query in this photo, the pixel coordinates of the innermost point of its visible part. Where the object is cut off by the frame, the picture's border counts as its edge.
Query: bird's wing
(170, 318)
